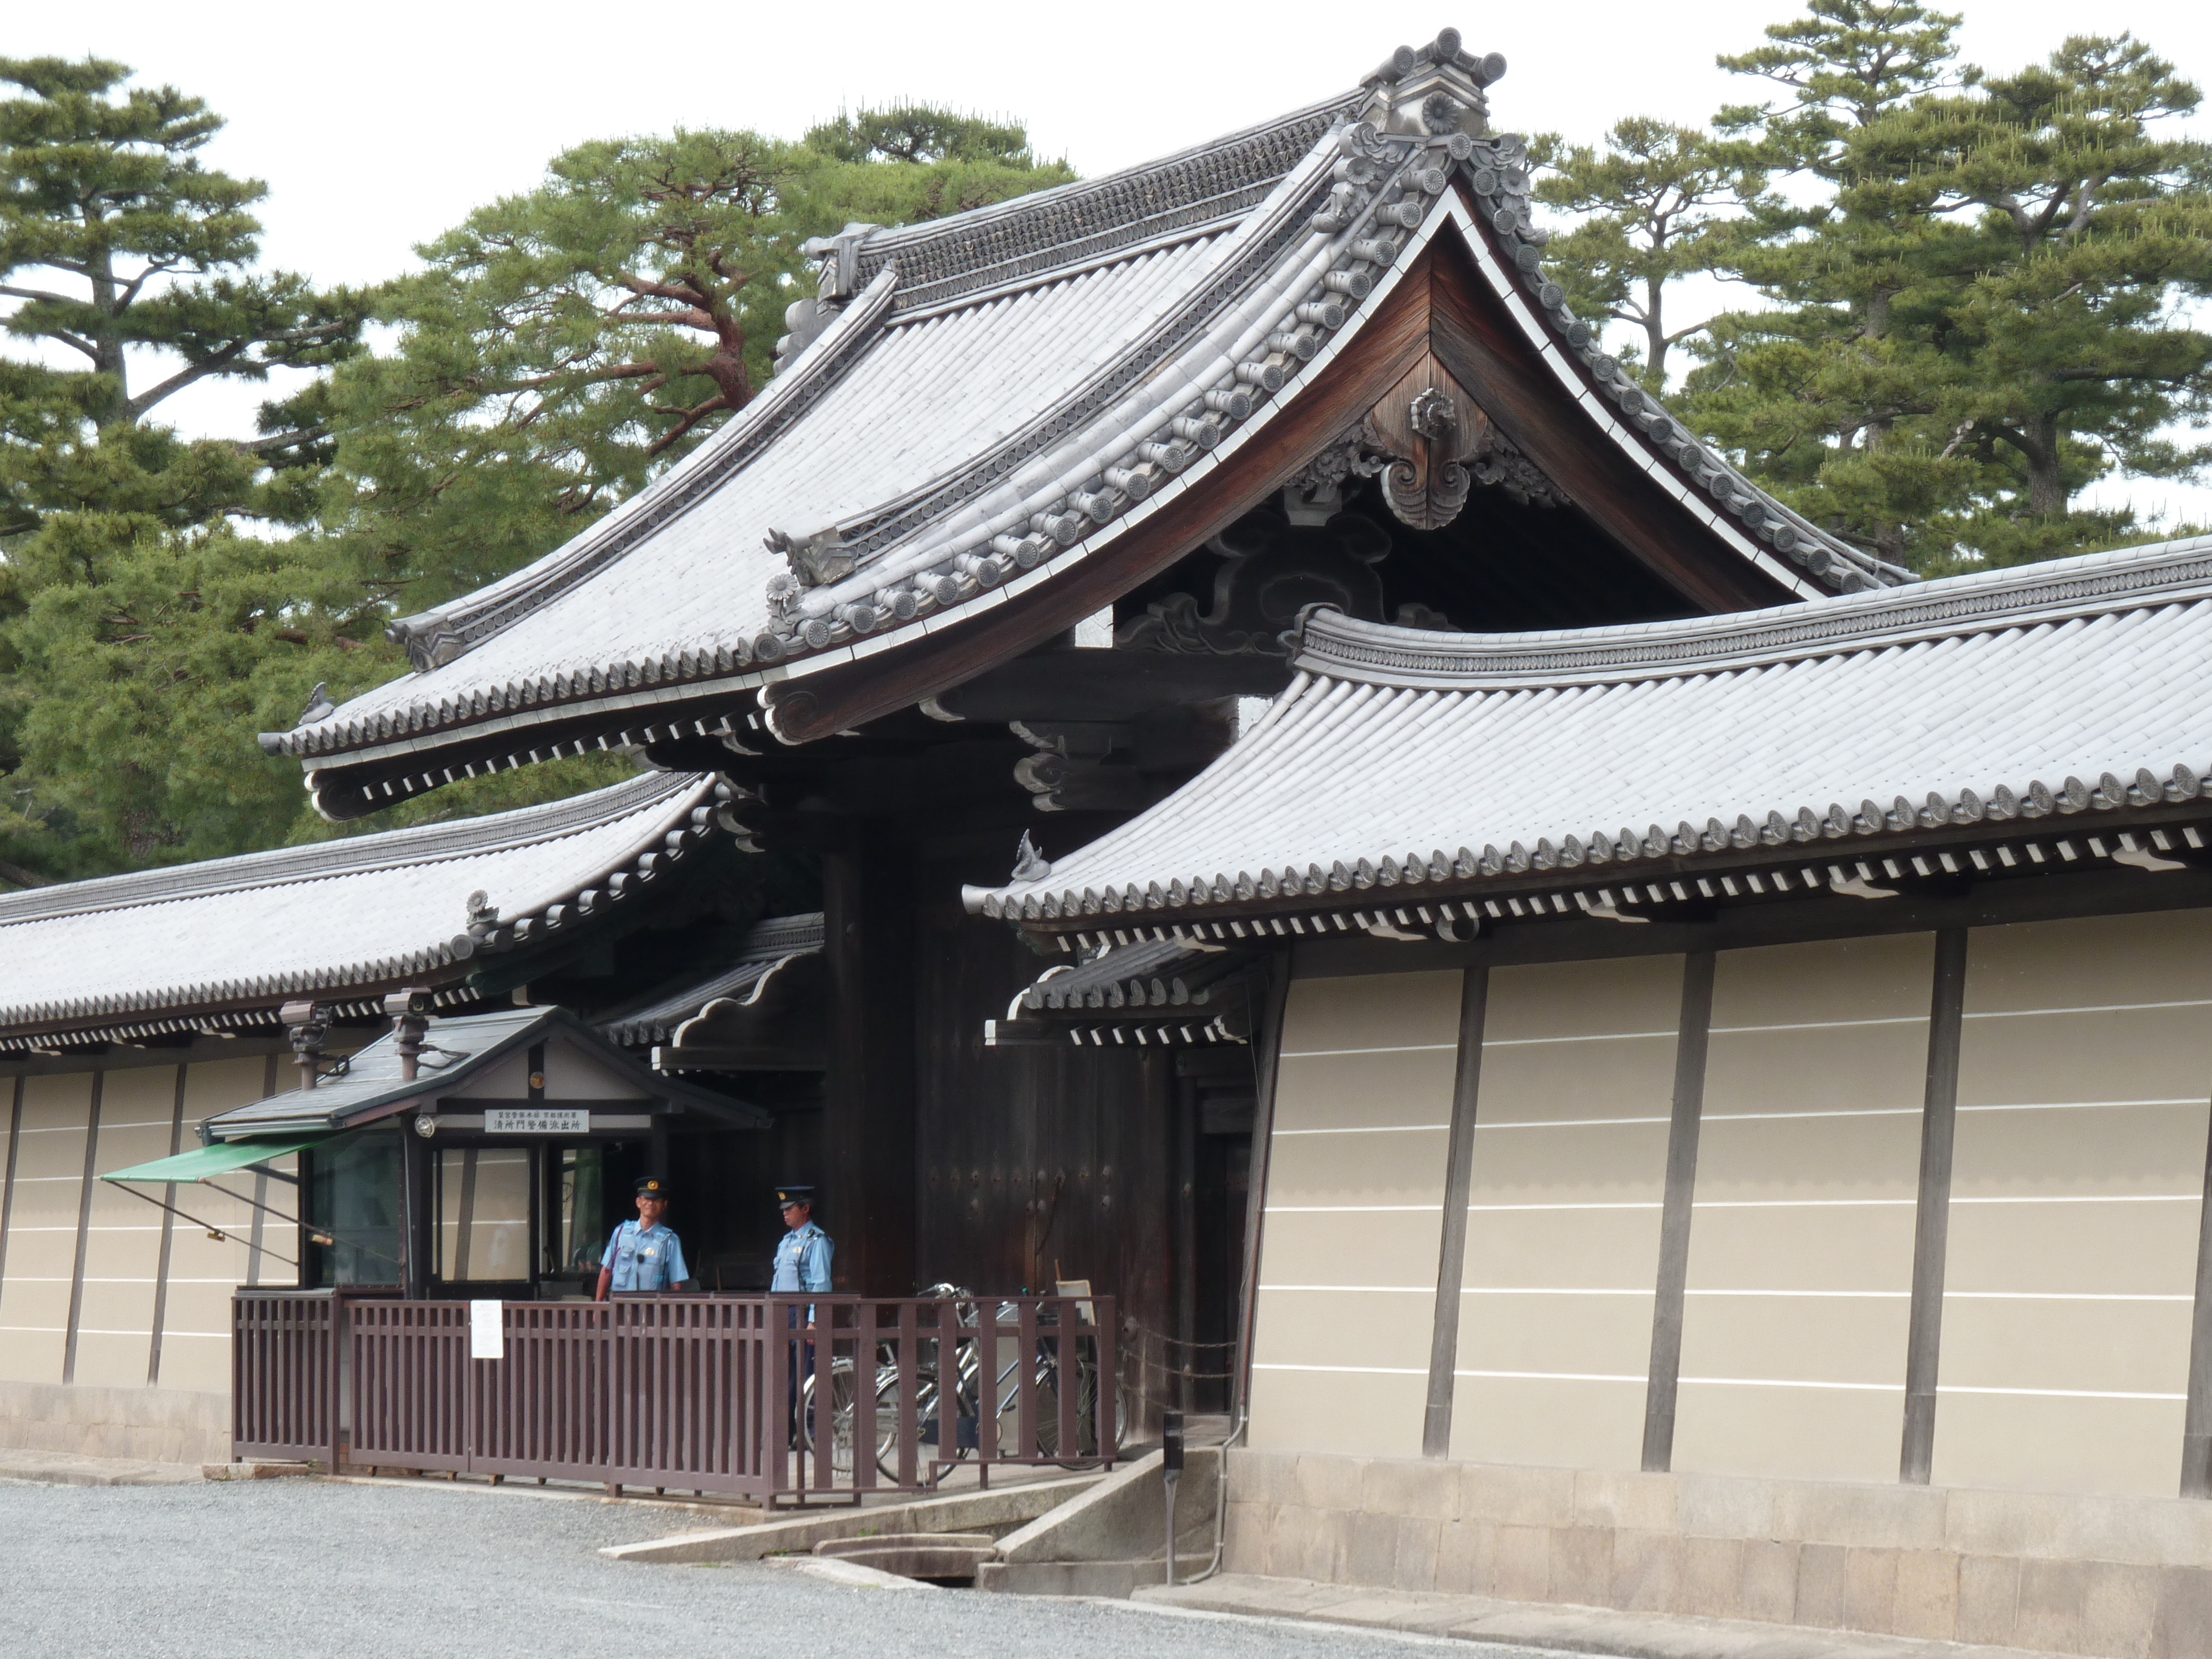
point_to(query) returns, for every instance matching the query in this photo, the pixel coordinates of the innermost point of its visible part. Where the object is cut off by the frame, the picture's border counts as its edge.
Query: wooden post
(1931, 1229)
(7, 1175)
(2196, 1423)
(1176, 1359)
(1268, 1039)
(415, 1176)
(1459, 1182)
(83, 1228)
(868, 1121)
(169, 1235)
(1693, 1035)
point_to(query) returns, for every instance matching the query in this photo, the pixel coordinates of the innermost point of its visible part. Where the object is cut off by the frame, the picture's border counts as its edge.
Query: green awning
(225, 1156)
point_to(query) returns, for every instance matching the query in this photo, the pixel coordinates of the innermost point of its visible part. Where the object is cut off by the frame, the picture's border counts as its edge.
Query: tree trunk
(1655, 333)
(2046, 487)
(108, 344)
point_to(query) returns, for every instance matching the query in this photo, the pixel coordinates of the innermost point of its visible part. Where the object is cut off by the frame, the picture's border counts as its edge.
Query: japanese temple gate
(1521, 951)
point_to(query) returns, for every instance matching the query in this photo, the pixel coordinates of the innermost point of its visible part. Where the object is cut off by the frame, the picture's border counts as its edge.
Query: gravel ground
(313, 1571)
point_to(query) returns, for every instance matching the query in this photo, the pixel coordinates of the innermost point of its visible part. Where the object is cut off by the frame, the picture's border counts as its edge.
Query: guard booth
(492, 1160)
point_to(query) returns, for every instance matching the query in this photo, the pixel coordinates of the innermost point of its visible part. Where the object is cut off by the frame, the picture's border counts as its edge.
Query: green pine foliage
(564, 346)
(1972, 288)
(162, 601)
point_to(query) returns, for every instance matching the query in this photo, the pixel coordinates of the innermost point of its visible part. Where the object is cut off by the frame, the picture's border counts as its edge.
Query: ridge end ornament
(816, 560)
(1029, 865)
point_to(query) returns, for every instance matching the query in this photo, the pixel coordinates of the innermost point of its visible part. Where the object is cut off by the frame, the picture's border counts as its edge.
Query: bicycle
(927, 1407)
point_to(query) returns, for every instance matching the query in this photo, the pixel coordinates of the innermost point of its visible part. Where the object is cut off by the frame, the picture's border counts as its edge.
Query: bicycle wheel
(1086, 1416)
(844, 1416)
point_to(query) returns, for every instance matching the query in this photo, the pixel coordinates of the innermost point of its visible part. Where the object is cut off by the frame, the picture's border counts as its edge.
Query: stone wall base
(160, 1425)
(2114, 1577)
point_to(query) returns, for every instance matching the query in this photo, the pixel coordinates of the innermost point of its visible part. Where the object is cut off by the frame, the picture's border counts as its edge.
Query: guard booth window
(580, 1238)
(353, 1200)
(483, 1209)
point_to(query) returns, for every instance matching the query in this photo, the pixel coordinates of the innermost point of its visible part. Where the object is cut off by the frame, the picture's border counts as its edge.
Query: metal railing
(802, 1398)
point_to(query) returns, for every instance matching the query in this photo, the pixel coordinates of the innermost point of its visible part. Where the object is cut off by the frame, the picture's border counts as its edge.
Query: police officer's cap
(788, 1195)
(652, 1187)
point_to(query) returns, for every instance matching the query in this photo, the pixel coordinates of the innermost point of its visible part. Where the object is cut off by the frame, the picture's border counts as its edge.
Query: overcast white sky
(377, 126)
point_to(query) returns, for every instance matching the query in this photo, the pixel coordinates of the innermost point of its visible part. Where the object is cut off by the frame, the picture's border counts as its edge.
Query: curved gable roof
(1000, 395)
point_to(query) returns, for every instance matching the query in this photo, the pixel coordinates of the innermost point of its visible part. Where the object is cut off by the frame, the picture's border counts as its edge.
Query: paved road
(308, 1570)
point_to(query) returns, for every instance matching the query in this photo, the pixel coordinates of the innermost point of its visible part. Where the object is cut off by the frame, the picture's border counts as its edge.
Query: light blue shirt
(645, 1260)
(802, 1261)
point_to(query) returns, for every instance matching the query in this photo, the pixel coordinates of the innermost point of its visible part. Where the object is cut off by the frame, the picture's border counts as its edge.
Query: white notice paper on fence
(486, 1339)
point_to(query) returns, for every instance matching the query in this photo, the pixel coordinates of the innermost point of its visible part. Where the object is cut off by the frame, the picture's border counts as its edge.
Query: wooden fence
(771, 1398)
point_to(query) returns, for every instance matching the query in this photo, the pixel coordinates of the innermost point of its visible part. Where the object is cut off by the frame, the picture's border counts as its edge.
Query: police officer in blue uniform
(802, 1256)
(802, 1265)
(643, 1255)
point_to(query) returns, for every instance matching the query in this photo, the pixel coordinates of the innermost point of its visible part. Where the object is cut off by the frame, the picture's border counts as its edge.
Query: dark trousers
(801, 1364)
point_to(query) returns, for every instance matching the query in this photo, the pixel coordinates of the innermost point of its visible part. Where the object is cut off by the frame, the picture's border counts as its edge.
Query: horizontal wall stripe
(2090, 1198)
(1887, 1296)
(98, 1227)
(1823, 1025)
(1823, 1111)
(1579, 1037)
(1556, 1377)
(2087, 1008)
(1355, 1370)
(1793, 1383)
(1387, 1049)
(1565, 1123)
(2060, 1393)
(1361, 1290)
(1653, 1204)
(2073, 1105)
(1546, 1289)
(1368, 1129)
(1797, 1203)
(2067, 1296)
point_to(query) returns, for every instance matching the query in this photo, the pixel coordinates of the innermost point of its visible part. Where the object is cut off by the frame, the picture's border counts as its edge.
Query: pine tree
(1970, 287)
(1655, 204)
(565, 345)
(132, 264)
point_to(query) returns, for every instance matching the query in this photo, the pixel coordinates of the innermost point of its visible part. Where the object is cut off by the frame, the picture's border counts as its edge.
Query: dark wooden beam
(1268, 1055)
(1931, 1228)
(1458, 1185)
(2197, 1420)
(1692, 1033)
(1478, 341)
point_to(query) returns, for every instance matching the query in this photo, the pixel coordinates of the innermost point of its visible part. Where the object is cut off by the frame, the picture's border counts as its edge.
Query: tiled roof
(1428, 762)
(343, 915)
(373, 1086)
(1078, 359)
(768, 945)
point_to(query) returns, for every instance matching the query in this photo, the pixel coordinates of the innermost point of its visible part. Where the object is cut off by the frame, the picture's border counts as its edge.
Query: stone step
(999, 1509)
